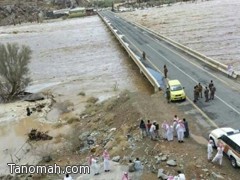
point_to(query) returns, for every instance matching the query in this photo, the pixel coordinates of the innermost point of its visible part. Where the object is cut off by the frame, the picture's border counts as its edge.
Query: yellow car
(176, 90)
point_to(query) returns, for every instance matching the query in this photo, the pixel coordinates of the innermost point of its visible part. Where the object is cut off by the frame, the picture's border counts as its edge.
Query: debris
(36, 135)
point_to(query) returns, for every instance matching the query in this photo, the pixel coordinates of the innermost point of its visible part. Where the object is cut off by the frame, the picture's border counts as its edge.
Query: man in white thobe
(170, 133)
(164, 129)
(106, 163)
(180, 128)
(152, 130)
(210, 149)
(93, 165)
(218, 157)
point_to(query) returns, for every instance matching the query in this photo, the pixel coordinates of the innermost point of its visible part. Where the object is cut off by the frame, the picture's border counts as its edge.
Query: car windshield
(176, 87)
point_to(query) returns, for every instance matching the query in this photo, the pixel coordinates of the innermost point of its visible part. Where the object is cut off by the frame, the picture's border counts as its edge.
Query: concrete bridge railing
(135, 58)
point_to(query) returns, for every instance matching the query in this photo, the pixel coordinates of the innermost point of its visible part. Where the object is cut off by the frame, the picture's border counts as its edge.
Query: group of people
(177, 128)
(218, 157)
(209, 92)
(92, 161)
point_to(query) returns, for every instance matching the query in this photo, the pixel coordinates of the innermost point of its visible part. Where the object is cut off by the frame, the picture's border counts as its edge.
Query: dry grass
(81, 93)
(92, 100)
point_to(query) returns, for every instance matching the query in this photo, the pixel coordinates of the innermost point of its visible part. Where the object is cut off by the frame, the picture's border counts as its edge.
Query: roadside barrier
(135, 58)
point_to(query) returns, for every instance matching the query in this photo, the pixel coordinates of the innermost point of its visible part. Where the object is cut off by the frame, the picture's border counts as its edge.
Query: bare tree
(13, 70)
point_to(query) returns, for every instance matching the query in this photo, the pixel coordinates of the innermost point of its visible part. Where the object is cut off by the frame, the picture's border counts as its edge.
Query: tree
(13, 70)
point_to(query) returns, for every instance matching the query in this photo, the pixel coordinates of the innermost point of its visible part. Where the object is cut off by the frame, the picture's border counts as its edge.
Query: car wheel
(214, 144)
(233, 162)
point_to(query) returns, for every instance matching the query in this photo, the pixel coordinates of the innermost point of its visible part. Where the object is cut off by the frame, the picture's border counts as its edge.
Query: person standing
(186, 132)
(206, 94)
(175, 121)
(148, 127)
(165, 70)
(170, 133)
(210, 150)
(152, 130)
(195, 94)
(230, 70)
(218, 157)
(212, 92)
(168, 95)
(94, 166)
(106, 163)
(200, 90)
(210, 85)
(143, 128)
(180, 131)
(164, 129)
(157, 131)
(144, 55)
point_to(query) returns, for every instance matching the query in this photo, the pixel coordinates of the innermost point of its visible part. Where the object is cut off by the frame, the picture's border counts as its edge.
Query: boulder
(116, 158)
(34, 97)
(171, 163)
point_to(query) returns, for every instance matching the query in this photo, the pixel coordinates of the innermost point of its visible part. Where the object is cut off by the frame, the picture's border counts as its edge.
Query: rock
(113, 129)
(47, 159)
(171, 163)
(164, 158)
(34, 97)
(116, 158)
(158, 161)
(216, 176)
(84, 135)
(198, 166)
(205, 170)
(161, 174)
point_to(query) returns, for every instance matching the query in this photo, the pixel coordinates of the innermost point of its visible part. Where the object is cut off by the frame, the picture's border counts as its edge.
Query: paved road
(224, 110)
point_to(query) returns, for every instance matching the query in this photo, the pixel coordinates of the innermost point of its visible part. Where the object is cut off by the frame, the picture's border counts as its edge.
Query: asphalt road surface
(224, 110)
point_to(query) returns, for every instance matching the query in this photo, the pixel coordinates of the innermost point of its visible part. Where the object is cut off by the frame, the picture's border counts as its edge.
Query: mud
(69, 57)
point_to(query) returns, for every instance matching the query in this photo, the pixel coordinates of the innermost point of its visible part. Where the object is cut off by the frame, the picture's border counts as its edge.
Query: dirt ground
(209, 27)
(123, 113)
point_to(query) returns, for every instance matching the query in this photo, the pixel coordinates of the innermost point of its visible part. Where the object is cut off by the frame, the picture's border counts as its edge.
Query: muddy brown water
(68, 57)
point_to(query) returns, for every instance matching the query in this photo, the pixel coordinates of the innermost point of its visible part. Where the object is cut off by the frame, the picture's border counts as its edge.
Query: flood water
(69, 56)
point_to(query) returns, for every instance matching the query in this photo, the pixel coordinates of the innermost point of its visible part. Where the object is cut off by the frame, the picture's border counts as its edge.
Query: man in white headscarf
(164, 129)
(93, 165)
(152, 130)
(106, 163)
(218, 157)
(210, 150)
(170, 133)
(180, 128)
